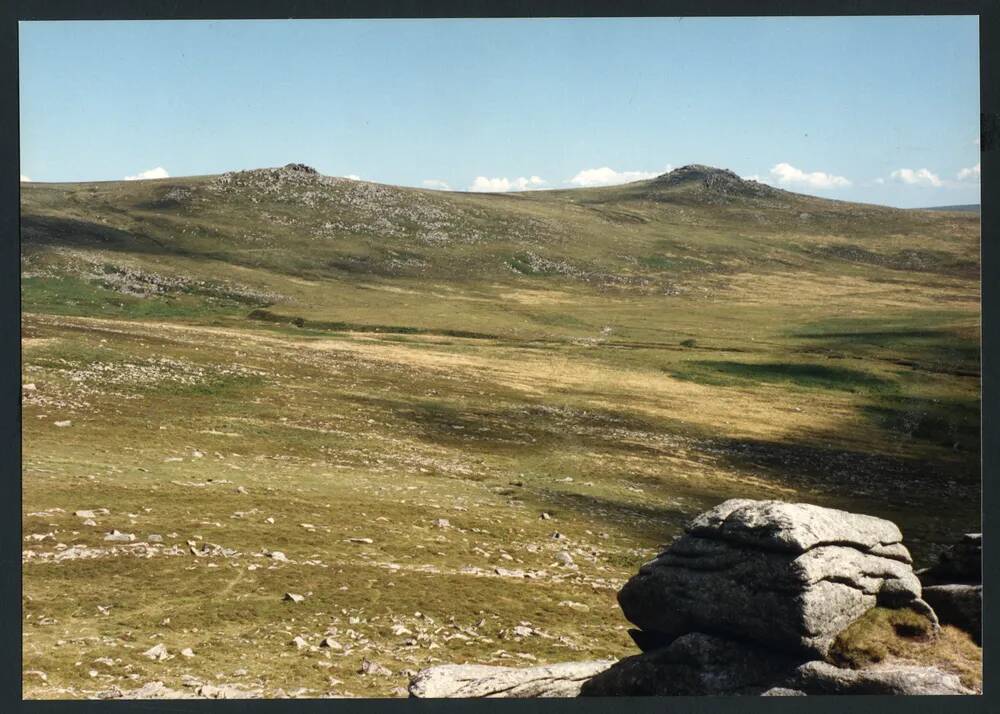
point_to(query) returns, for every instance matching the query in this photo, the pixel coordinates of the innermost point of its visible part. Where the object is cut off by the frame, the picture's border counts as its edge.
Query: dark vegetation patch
(915, 260)
(331, 326)
(50, 230)
(806, 375)
(673, 264)
(654, 519)
(951, 423)
(618, 216)
(936, 349)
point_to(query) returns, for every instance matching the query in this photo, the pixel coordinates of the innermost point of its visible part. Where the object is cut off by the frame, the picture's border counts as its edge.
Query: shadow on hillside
(48, 230)
(647, 520)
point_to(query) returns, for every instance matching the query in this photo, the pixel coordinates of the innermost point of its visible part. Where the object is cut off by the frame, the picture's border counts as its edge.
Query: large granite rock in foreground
(477, 681)
(786, 575)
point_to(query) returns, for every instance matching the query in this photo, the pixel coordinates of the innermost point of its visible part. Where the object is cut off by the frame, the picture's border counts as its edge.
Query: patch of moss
(884, 634)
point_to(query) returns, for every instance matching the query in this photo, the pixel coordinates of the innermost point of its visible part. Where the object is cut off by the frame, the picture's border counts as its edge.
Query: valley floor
(434, 498)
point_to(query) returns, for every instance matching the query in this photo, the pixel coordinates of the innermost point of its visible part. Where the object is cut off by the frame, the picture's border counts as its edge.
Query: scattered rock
(120, 537)
(330, 643)
(157, 652)
(564, 558)
(783, 692)
(154, 538)
(277, 555)
(477, 681)
(65, 423)
(187, 652)
(373, 668)
(442, 523)
(149, 690)
(226, 691)
(367, 541)
(505, 573)
(299, 642)
(293, 597)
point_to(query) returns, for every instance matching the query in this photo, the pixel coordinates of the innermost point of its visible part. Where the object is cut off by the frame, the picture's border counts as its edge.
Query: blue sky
(881, 110)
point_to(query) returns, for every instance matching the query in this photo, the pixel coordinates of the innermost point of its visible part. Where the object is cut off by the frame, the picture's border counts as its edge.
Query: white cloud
(25, 179)
(880, 180)
(502, 184)
(787, 174)
(755, 177)
(437, 184)
(353, 177)
(916, 177)
(157, 173)
(606, 176)
(970, 174)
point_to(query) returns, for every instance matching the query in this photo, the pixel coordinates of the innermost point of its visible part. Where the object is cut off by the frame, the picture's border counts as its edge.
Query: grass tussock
(884, 635)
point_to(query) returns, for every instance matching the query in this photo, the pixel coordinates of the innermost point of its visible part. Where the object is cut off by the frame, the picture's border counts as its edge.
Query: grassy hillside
(479, 385)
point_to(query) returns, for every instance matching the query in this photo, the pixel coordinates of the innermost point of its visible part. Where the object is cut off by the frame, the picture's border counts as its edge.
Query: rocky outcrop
(473, 681)
(953, 585)
(713, 185)
(694, 664)
(962, 563)
(824, 678)
(960, 605)
(748, 601)
(300, 168)
(790, 576)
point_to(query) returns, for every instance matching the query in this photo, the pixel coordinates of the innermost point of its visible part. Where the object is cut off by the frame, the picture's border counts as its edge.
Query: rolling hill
(422, 398)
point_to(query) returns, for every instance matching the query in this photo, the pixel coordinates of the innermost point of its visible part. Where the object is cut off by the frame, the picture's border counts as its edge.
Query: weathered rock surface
(962, 563)
(823, 678)
(694, 664)
(960, 605)
(477, 681)
(783, 692)
(791, 576)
